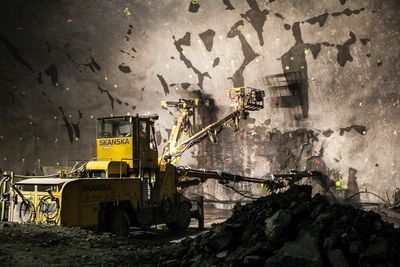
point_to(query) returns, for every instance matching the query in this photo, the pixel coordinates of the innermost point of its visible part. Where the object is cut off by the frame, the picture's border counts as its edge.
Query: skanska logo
(108, 142)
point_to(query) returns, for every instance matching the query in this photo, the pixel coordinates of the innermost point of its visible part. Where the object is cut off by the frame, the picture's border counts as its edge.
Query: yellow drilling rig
(128, 183)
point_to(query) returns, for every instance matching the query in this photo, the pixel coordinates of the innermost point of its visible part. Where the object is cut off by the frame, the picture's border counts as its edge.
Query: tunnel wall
(330, 70)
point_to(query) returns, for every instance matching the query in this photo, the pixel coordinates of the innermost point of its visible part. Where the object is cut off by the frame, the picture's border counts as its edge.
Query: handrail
(55, 175)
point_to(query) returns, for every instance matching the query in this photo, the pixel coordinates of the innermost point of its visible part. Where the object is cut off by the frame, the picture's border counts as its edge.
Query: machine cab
(125, 145)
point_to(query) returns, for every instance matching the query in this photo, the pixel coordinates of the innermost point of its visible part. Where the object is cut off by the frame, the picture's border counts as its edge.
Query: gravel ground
(41, 245)
(33, 245)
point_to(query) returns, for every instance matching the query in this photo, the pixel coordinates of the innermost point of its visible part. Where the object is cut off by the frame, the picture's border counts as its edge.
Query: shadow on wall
(352, 187)
(289, 91)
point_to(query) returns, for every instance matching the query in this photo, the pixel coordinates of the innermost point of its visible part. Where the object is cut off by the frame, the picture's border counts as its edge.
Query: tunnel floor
(39, 245)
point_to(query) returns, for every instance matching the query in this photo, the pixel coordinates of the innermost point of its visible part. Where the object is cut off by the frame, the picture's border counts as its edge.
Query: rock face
(59, 70)
(292, 229)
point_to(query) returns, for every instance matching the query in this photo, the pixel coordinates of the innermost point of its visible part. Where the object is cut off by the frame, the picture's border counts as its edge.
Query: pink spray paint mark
(317, 161)
(242, 134)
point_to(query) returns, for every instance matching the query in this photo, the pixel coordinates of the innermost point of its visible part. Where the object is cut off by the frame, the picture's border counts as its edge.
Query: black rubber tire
(166, 208)
(183, 218)
(120, 222)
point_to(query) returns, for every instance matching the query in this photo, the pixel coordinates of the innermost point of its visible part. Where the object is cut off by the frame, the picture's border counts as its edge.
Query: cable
(27, 203)
(81, 168)
(209, 198)
(5, 179)
(188, 145)
(47, 210)
(238, 192)
(30, 208)
(366, 192)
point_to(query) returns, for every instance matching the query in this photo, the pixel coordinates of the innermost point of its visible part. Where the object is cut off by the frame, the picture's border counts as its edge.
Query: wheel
(167, 208)
(120, 222)
(183, 218)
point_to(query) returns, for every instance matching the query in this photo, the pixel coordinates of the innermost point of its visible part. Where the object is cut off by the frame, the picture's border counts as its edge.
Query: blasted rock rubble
(291, 229)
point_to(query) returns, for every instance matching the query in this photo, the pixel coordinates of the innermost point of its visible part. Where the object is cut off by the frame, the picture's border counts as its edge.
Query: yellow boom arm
(244, 99)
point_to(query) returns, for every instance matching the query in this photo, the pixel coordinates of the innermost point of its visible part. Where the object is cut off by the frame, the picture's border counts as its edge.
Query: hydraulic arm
(243, 100)
(190, 177)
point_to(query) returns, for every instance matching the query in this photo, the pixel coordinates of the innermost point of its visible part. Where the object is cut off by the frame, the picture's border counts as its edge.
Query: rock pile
(292, 229)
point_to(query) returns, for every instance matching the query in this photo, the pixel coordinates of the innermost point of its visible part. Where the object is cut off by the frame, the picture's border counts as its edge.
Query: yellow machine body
(29, 209)
(125, 147)
(76, 202)
(116, 149)
(124, 176)
(126, 184)
(104, 169)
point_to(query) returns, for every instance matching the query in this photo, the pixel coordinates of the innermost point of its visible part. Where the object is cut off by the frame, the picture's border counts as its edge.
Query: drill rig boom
(244, 99)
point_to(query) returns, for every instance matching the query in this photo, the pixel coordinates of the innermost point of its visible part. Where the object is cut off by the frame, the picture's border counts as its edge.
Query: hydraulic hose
(367, 192)
(4, 197)
(29, 207)
(5, 179)
(46, 209)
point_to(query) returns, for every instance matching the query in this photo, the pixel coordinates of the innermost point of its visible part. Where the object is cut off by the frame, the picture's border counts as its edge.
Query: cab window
(114, 128)
(142, 129)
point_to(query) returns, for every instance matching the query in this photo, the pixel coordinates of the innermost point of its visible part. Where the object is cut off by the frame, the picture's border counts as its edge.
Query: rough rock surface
(292, 229)
(59, 70)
